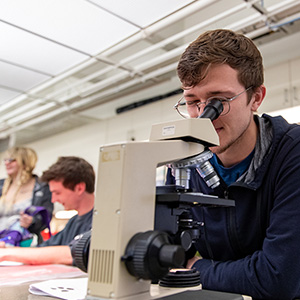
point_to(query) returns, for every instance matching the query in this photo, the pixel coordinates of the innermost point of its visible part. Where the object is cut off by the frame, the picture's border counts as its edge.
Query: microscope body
(125, 201)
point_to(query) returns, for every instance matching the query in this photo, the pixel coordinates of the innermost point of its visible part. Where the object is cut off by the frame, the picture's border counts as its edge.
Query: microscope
(134, 239)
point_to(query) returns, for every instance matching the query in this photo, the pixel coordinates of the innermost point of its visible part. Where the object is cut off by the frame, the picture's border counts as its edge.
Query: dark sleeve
(1, 186)
(41, 197)
(273, 272)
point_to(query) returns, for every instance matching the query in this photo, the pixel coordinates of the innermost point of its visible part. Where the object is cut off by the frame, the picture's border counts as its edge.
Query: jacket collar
(270, 133)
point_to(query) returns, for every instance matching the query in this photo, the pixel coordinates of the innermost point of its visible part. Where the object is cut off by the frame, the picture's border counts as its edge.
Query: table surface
(15, 282)
(21, 293)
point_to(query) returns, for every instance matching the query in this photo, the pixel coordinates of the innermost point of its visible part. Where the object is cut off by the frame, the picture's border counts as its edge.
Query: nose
(54, 199)
(200, 107)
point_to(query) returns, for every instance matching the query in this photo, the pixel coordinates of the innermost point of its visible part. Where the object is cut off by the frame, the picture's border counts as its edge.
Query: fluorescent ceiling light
(13, 102)
(291, 114)
(30, 114)
(19, 110)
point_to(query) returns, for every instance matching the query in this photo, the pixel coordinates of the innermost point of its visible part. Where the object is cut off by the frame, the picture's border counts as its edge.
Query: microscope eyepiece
(212, 110)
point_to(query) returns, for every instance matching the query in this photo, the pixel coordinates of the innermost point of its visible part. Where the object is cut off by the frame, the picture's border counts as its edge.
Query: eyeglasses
(9, 160)
(190, 109)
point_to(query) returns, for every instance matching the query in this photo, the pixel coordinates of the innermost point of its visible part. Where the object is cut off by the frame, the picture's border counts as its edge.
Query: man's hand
(25, 220)
(191, 261)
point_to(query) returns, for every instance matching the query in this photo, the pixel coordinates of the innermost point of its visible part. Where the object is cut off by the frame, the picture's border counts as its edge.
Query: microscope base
(191, 293)
(156, 292)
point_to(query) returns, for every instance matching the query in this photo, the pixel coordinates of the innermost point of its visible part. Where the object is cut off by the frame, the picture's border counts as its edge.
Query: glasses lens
(187, 109)
(9, 160)
(225, 102)
(190, 109)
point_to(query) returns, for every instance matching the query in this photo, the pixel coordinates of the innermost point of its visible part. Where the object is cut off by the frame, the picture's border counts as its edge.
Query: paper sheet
(15, 275)
(67, 289)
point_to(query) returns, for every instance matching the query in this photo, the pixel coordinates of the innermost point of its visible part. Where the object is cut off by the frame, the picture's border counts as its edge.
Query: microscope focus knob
(150, 255)
(80, 250)
(171, 256)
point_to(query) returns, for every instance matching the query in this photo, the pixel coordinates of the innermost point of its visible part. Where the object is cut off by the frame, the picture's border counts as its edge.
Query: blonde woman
(22, 190)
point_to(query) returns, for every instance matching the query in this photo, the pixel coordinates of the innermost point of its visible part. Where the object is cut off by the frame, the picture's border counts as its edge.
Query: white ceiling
(65, 63)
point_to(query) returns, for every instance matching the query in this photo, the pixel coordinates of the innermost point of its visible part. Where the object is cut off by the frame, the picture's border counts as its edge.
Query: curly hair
(71, 170)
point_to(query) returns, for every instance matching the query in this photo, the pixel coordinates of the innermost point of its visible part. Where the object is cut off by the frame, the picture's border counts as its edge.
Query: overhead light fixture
(30, 113)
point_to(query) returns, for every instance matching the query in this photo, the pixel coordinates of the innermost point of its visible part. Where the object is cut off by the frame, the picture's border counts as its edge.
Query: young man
(252, 248)
(71, 182)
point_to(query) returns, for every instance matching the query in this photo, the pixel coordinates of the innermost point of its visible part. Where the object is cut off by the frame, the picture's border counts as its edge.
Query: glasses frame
(221, 98)
(9, 160)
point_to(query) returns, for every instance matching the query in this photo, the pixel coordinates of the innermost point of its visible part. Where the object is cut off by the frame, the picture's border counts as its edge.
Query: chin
(218, 149)
(214, 149)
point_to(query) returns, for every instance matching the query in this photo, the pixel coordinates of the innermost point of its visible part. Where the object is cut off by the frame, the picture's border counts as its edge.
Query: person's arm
(38, 256)
(272, 272)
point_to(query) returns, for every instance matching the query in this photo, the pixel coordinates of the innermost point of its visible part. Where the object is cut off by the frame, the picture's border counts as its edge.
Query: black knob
(80, 251)
(150, 255)
(171, 256)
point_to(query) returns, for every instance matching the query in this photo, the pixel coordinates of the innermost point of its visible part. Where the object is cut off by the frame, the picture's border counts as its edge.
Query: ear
(258, 97)
(80, 188)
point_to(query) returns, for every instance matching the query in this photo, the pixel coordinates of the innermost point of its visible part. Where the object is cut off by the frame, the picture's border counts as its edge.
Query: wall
(283, 85)
(86, 141)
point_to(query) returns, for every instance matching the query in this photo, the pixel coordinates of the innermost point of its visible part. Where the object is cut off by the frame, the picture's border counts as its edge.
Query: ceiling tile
(15, 77)
(36, 53)
(75, 23)
(6, 95)
(142, 12)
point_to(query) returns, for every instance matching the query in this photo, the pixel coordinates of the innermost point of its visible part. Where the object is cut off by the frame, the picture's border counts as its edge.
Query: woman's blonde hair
(26, 159)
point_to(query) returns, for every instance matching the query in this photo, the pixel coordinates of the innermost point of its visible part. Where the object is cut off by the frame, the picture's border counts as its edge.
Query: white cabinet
(283, 86)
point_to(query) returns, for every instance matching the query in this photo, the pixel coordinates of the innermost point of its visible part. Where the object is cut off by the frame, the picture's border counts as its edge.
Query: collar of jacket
(270, 133)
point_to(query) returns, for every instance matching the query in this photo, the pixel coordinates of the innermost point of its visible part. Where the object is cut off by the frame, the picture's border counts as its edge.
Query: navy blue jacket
(254, 248)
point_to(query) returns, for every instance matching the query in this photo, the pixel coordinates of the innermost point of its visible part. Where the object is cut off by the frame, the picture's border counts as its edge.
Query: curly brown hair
(221, 46)
(71, 170)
